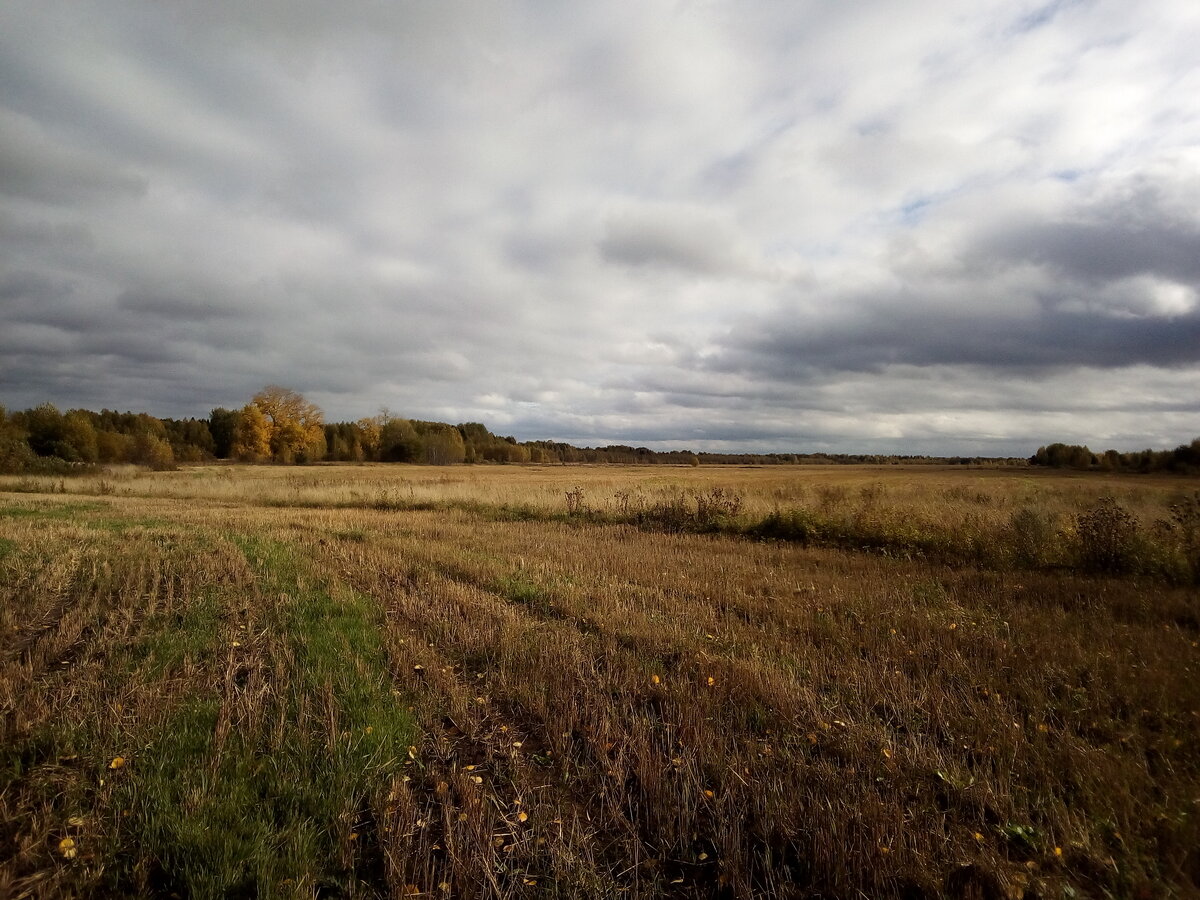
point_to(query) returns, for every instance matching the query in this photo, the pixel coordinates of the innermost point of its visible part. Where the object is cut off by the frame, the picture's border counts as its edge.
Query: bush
(797, 524)
(15, 455)
(576, 505)
(717, 510)
(1108, 538)
(1031, 538)
(1185, 522)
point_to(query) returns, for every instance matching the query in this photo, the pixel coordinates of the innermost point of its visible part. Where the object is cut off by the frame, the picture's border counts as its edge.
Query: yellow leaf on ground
(117, 762)
(67, 848)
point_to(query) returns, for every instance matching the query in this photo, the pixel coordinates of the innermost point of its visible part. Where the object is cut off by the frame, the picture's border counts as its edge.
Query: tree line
(279, 425)
(1184, 459)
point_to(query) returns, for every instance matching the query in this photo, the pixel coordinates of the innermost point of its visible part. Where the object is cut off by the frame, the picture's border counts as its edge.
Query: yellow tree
(369, 432)
(251, 435)
(295, 425)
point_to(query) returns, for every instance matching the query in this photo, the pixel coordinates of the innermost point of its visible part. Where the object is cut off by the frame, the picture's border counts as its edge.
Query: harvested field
(594, 682)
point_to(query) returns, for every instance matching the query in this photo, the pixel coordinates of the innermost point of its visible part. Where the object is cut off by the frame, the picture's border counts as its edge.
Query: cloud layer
(896, 227)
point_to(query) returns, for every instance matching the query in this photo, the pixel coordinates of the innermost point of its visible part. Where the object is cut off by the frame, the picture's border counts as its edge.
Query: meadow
(573, 681)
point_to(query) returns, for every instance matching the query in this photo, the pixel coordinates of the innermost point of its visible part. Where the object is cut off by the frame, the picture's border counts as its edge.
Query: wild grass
(995, 518)
(497, 694)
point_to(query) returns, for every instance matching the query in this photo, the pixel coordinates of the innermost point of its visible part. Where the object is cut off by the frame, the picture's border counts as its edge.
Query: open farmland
(599, 681)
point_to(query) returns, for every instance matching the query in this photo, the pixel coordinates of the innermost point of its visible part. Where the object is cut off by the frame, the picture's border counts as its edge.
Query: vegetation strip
(268, 789)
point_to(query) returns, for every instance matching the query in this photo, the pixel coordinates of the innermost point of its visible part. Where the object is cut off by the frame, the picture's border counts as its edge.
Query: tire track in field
(485, 755)
(625, 752)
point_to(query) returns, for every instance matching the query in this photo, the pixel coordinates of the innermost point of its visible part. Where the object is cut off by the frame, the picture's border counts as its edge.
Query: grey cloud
(34, 166)
(171, 305)
(691, 240)
(1144, 230)
(915, 336)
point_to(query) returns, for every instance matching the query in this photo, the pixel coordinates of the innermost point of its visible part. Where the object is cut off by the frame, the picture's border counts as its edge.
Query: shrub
(1107, 536)
(1030, 536)
(1185, 521)
(576, 505)
(715, 511)
(717, 508)
(795, 524)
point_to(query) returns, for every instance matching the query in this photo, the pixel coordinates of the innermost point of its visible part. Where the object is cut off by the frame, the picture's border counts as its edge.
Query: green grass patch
(227, 821)
(518, 588)
(6, 547)
(174, 640)
(265, 805)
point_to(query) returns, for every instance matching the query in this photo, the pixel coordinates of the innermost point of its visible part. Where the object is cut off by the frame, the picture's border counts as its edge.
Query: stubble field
(599, 681)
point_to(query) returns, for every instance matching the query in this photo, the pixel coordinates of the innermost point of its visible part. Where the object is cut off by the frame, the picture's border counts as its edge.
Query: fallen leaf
(67, 848)
(117, 762)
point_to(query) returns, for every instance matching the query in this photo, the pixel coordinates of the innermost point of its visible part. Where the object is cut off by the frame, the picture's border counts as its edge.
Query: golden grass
(599, 710)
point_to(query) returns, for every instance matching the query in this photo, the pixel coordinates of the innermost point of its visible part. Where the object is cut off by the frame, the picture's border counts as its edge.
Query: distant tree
(370, 431)
(399, 441)
(252, 436)
(114, 447)
(43, 426)
(15, 455)
(151, 450)
(78, 438)
(190, 439)
(443, 445)
(222, 423)
(295, 426)
(1064, 456)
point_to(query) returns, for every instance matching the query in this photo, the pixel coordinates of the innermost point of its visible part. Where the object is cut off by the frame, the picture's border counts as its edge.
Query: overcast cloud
(882, 226)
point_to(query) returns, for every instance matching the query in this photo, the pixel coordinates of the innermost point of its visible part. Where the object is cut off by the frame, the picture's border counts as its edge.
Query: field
(390, 681)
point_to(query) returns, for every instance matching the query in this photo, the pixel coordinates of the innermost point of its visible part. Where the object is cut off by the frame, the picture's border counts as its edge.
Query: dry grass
(488, 697)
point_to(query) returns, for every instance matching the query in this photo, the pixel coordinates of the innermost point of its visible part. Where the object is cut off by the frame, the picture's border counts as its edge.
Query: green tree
(44, 430)
(222, 423)
(443, 445)
(15, 455)
(399, 441)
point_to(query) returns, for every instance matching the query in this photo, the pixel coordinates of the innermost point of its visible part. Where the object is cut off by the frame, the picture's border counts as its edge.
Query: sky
(886, 226)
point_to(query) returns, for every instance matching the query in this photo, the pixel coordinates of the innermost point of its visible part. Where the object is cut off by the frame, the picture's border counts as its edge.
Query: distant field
(386, 681)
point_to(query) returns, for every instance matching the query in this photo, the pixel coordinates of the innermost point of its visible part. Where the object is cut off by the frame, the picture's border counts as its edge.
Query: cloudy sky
(885, 225)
